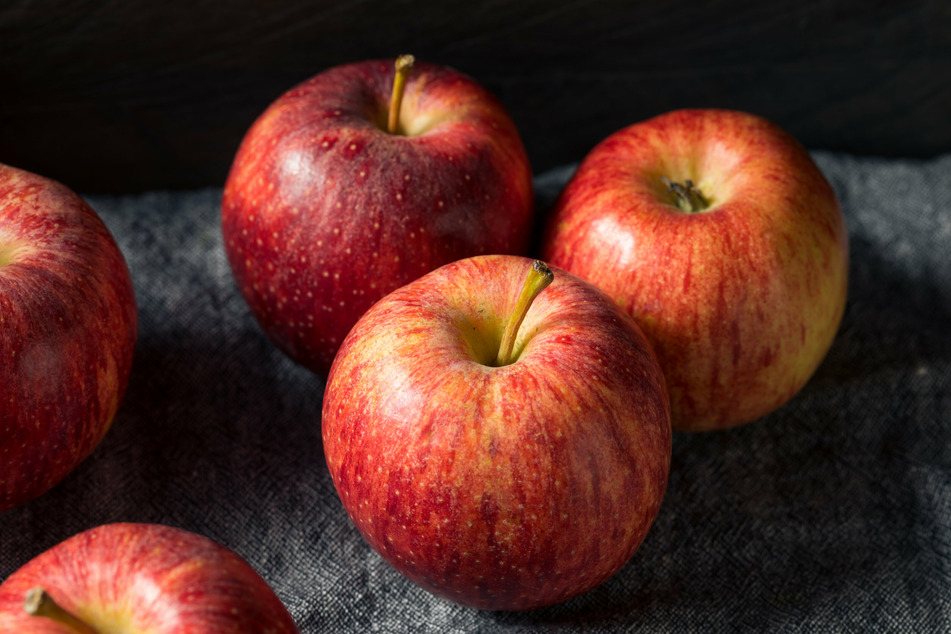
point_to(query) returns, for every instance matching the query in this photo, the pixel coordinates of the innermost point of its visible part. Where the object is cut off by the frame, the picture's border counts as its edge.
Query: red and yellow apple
(67, 333)
(138, 578)
(500, 452)
(719, 234)
(360, 180)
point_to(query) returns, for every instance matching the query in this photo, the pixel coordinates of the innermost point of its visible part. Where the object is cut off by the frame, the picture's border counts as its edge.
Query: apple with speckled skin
(719, 234)
(360, 180)
(502, 444)
(67, 333)
(137, 578)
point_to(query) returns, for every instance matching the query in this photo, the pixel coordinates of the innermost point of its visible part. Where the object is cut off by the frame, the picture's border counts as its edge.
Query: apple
(718, 233)
(134, 578)
(67, 333)
(360, 180)
(502, 444)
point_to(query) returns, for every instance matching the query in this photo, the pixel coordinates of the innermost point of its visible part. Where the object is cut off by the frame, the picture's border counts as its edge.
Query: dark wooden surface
(129, 95)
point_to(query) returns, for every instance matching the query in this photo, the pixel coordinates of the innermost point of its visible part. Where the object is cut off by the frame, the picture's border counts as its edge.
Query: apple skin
(503, 488)
(67, 333)
(135, 578)
(741, 301)
(324, 212)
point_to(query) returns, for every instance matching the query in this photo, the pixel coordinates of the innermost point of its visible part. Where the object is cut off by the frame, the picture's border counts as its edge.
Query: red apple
(326, 209)
(67, 333)
(499, 471)
(718, 233)
(138, 578)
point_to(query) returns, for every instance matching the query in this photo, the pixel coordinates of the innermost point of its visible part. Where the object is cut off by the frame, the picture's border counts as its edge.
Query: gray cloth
(831, 514)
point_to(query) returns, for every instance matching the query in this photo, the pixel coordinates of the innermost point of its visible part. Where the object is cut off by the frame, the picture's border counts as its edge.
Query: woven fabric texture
(831, 514)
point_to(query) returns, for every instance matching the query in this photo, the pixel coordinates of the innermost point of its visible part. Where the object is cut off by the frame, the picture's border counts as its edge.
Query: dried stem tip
(688, 196)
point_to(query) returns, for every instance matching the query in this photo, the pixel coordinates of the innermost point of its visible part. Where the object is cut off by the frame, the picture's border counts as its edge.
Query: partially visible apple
(67, 333)
(138, 578)
(360, 180)
(718, 233)
(500, 457)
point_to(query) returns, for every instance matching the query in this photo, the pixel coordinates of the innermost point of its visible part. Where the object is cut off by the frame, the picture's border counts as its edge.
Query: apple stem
(539, 277)
(38, 602)
(403, 65)
(689, 197)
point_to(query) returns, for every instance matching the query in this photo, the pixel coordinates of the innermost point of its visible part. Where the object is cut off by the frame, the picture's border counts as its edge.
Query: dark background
(119, 96)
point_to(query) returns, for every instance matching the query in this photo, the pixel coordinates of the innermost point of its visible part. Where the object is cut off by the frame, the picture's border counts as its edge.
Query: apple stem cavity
(404, 63)
(539, 277)
(688, 196)
(38, 602)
